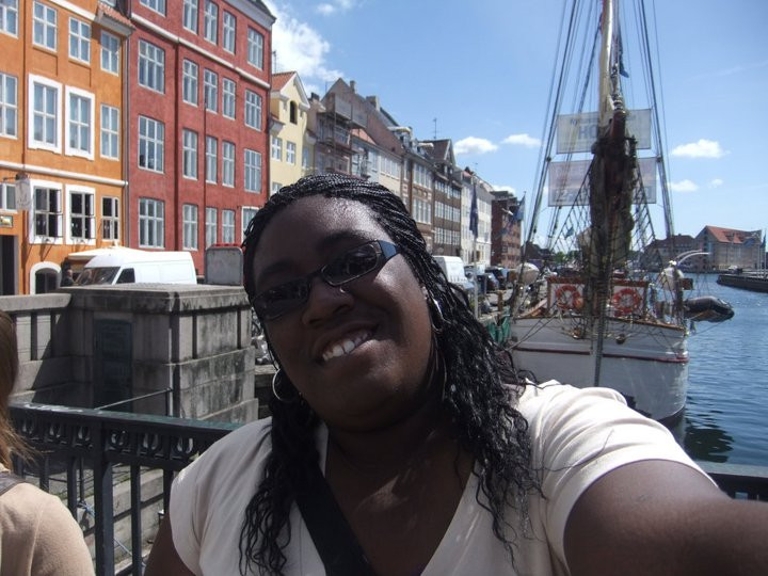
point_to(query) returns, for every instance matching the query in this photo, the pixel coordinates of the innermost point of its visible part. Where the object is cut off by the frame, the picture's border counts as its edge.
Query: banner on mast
(577, 132)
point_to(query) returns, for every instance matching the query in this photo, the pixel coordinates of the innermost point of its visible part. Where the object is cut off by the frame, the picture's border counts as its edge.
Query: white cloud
(522, 140)
(474, 145)
(300, 47)
(701, 149)
(683, 186)
(716, 183)
(328, 8)
(505, 188)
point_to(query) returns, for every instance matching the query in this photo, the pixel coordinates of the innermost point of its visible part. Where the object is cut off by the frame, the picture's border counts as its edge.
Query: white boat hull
(646, 362)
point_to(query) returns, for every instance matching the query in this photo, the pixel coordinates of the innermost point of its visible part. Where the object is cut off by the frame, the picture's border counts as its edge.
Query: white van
(453, 267)
(139, 266)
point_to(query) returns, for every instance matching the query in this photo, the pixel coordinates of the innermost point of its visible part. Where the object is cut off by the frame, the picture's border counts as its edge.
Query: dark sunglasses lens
(351, 265)
(283, 298)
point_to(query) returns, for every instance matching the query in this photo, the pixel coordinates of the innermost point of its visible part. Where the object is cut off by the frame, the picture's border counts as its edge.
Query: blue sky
(479, 73)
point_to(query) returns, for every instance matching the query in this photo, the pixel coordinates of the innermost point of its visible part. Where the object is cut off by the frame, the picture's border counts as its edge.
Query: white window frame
(228, 226)
(211, 90)
(110, 53)
(211, 22)
(191, 15)
(51, 120)
(253, 109)
(151, 142)
(228, 91)
(151, 223)
(189, 154)
(79, 40)
(45, 24)
(154, 5)
(79, 128)
(246, 215)
(252, 171)
(86, 217)
(255, 48)
(9, 17)
(8, 196)
(190, 84)
(110, 132)
(211, 159)
(229, 32)
(110, 218)
(48, 209)
(228, 151)
(189, 239)
(290, 152)
(276, 149)
(9, 105)
(211, 226)
(151, 67)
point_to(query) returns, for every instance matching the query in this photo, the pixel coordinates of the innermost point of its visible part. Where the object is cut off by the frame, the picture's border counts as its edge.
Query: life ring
(567, 297)
(626, 301)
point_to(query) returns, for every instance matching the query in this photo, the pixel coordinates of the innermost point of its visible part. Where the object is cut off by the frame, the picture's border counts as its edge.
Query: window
(227, 163)
(277, 148)
(190, 16)
(44, 24)
(80, 123)
(190, 82)
(211, 159)
(156, 5)
(230, 32)
(48, 214)
(79, 40)
(110, 218)
(248, 214)
(110, 53)
(294, 116)
(228, 98)
(9, 17)
(252, 110)
(110, 132)
(189, 227)
(276, 187)
(252, 171)
(290, 152)
(211, 32)
(151, 144)
(151, 223)
(151, 66)
(82, 219)
(255, 48)
(211, 215)
(189, 154)
(211, 89)
(228, 226)
(7, 196)
(45, 113)
(9, 105)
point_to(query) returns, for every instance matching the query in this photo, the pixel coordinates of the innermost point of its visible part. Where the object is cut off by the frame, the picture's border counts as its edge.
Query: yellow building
(291, 154)
(61, 146)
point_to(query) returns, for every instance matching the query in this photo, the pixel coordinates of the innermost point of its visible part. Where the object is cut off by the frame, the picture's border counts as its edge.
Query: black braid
(482, 387)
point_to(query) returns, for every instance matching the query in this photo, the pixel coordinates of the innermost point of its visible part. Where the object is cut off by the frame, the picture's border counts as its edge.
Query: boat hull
(646, 362)
(750, 282)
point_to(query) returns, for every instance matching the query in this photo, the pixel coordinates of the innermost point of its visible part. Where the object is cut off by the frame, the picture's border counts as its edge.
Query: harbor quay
(120, 387)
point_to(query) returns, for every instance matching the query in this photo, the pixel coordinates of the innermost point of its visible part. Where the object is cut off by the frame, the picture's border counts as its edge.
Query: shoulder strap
(8, 481)
(333, 537)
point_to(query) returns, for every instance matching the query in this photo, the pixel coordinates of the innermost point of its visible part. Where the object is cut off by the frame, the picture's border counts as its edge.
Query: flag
(473, 217)
(569, 232)
(520, 211)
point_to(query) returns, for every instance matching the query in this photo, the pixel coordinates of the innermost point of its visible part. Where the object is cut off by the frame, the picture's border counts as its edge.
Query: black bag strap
(333, 537)
(7, 481)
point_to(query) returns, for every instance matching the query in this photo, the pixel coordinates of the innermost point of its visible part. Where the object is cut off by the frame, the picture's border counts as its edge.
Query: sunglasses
(351, 265)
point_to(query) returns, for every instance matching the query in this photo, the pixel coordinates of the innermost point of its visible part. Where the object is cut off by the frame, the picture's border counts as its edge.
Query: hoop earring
(436, 317)
(283, 399)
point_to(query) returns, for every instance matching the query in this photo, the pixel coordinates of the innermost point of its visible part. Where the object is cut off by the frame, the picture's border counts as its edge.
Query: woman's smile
(346, 345)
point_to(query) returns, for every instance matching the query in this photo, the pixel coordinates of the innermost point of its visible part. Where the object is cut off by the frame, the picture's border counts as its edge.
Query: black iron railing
(93, 453)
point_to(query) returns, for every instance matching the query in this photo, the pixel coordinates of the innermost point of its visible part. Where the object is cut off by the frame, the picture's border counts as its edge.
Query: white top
(577, 436)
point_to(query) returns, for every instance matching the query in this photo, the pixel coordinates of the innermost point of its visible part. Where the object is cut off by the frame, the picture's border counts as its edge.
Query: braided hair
(479, 397)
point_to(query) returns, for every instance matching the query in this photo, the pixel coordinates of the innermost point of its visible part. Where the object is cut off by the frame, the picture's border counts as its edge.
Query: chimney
(352, 86)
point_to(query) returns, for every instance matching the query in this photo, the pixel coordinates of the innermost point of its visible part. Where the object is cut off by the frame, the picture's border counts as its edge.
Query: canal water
(726, 417)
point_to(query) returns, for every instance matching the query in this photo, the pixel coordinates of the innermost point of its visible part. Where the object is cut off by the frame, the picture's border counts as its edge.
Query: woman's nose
(324, 301)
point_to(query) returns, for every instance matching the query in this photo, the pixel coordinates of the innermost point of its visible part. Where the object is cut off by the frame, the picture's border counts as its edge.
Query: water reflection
(706, 441)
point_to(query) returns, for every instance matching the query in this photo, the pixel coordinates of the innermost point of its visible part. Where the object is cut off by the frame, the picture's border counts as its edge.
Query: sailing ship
(598, 305)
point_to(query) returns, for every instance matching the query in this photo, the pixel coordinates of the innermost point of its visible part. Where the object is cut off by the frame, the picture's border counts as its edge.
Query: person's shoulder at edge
(43, 522)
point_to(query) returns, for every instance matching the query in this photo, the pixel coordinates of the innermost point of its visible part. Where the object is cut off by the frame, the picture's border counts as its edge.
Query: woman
(38, 535)
(438, 460)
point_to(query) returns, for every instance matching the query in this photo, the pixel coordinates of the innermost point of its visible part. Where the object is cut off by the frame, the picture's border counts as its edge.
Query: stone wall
(98, 345)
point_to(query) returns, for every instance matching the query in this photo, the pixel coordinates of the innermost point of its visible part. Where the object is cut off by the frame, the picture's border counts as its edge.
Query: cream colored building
(290, 156)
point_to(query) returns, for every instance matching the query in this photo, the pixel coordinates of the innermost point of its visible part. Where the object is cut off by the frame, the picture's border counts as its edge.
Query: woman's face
(358, 353)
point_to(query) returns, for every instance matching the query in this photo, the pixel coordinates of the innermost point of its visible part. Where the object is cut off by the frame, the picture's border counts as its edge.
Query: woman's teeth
(344, 347)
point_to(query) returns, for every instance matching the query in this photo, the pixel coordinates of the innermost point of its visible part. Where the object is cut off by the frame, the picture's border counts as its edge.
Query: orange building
(62, 104)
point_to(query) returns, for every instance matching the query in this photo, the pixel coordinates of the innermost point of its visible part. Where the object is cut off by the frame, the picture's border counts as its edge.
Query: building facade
(290, 145)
